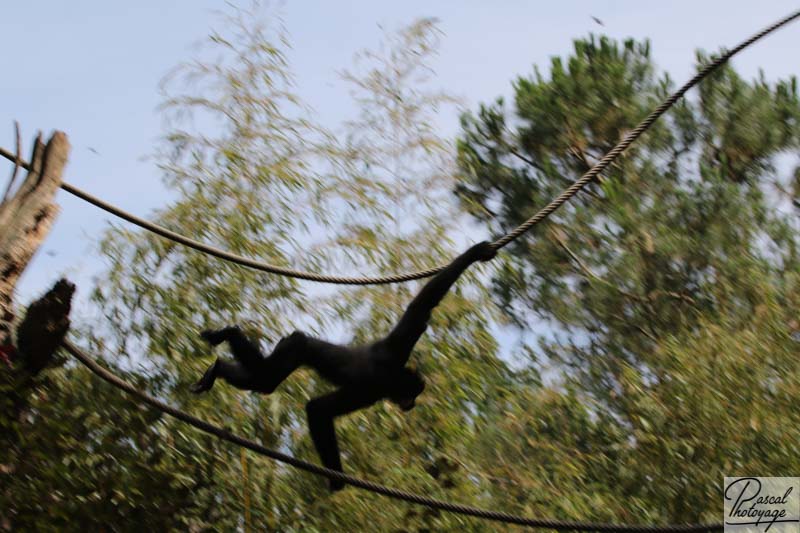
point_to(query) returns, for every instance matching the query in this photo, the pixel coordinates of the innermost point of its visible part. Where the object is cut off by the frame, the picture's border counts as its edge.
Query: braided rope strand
(545, 212)
(370, 486)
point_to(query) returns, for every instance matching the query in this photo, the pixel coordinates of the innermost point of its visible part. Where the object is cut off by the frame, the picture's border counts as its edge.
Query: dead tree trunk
(25, 219)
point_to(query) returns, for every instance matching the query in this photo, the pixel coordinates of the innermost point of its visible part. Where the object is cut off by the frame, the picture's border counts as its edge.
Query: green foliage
(86, 457)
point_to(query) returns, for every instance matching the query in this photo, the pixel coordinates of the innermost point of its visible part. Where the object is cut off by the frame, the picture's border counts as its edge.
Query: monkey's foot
(207, 381)
(215, 336)
(336, 485)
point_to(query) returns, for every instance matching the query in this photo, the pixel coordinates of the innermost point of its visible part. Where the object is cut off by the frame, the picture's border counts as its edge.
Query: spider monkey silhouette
(364, 374)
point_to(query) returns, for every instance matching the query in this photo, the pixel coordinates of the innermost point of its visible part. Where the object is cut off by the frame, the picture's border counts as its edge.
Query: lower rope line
(370, 486)
(542, 214)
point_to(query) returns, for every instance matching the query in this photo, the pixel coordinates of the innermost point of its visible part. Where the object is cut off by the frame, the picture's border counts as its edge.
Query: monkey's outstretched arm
(321, 413)
(415, 319)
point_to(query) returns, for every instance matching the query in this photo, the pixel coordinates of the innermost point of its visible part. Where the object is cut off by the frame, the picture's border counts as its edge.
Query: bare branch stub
(17, 162)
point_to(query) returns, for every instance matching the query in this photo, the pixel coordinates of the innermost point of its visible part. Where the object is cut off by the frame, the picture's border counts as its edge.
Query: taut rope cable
(545, 212)
(370, 486)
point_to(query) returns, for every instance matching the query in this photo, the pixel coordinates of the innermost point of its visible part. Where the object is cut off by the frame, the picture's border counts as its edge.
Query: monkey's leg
(243, 349)
(321, 413)
(265, 373)
(288, 355)
(234, 373)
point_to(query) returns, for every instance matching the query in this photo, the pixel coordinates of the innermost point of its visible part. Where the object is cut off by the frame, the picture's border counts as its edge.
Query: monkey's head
(407, 385)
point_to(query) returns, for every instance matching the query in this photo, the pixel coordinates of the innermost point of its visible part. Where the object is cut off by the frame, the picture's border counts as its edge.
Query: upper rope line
(543, 213)
(433, 503)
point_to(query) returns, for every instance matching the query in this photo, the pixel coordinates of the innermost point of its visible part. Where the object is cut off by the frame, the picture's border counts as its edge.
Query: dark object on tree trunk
(41, 331)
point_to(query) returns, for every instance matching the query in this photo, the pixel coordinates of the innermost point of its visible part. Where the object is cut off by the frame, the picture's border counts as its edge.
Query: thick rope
(370, 486)
(545, 212)
(222, 254)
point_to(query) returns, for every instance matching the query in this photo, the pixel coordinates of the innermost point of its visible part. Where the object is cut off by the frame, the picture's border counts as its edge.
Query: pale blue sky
(92, 69)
